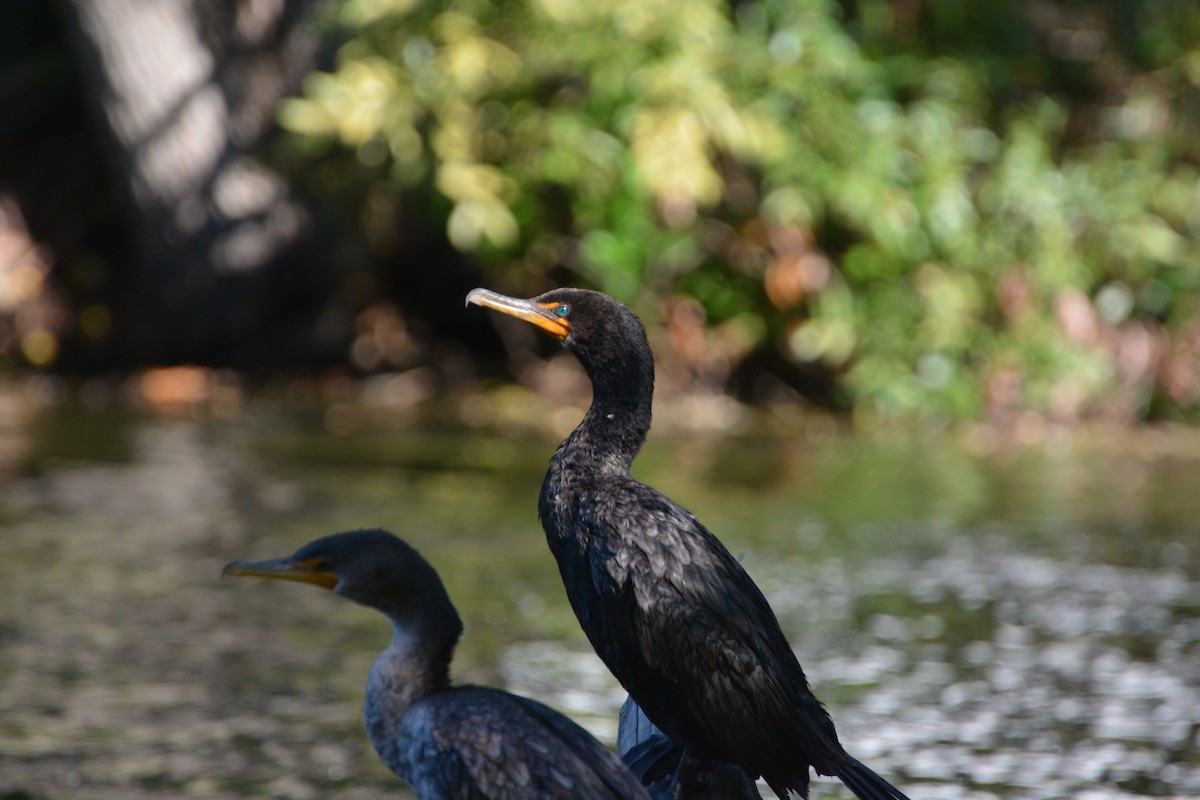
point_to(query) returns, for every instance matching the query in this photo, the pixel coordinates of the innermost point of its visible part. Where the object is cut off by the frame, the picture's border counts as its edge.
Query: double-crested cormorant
(671, 613)
(446, 741)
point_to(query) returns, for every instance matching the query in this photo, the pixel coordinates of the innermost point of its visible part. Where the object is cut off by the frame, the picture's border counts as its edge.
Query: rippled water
(982, 620)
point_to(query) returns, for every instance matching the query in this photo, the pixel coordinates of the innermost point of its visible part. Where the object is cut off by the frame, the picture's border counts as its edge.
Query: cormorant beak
(540, 315)
(287, 569)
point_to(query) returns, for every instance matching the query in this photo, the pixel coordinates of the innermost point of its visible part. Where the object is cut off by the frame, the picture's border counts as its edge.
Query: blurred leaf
(958, 170)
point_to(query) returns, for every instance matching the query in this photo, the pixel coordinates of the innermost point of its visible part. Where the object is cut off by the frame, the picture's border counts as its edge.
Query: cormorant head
(602, 333)
(371, 567)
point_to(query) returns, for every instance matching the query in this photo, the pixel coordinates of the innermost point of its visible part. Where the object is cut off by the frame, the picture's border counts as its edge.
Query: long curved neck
(414, 665)
(615, 426)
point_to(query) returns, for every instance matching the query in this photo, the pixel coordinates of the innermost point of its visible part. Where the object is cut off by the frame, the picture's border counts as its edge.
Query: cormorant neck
(415, 664)
(615, 426)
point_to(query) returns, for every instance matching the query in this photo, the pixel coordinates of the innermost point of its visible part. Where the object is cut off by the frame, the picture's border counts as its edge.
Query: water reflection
(1010, 624)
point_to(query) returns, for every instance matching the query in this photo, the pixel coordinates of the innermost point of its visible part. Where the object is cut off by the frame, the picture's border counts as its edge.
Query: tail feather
(866, 785)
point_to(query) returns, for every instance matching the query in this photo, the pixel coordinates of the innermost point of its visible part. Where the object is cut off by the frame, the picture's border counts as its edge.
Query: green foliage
(949, 210)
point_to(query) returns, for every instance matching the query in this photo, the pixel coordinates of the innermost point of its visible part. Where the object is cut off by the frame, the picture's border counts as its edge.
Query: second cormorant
(468, 742)
(668, 609)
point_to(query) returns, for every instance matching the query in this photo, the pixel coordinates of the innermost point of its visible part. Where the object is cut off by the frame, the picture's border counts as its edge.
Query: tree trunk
(184, 90)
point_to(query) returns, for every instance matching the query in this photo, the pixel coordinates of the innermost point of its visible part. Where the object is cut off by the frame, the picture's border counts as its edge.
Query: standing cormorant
(446, 741)
(671, 613)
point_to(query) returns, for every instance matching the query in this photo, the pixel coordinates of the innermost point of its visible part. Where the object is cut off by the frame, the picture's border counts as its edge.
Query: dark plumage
(447, 741)
(667, 608)
(654, 759)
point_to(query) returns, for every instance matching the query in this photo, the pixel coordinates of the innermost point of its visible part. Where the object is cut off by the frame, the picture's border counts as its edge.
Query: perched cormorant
(446, 741)
(671, 613)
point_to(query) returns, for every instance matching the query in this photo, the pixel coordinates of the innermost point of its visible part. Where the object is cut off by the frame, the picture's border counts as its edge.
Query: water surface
(983, 620)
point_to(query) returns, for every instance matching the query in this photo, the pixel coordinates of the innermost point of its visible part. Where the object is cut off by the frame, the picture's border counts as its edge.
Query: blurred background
(921, 279)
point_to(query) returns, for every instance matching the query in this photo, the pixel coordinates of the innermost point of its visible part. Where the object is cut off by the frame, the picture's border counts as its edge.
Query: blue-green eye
(561, 310)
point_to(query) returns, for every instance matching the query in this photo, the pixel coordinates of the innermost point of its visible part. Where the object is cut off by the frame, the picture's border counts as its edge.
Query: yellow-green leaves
(960, 210)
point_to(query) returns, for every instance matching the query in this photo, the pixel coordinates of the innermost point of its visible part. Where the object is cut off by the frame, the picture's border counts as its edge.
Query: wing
(485, 743)
(692, 637)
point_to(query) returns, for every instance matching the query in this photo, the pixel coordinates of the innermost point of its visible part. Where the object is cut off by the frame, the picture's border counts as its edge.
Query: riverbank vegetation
(905, 209)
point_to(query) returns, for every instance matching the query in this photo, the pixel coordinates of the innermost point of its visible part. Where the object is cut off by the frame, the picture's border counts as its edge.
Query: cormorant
(446, 741)
(671, 613)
